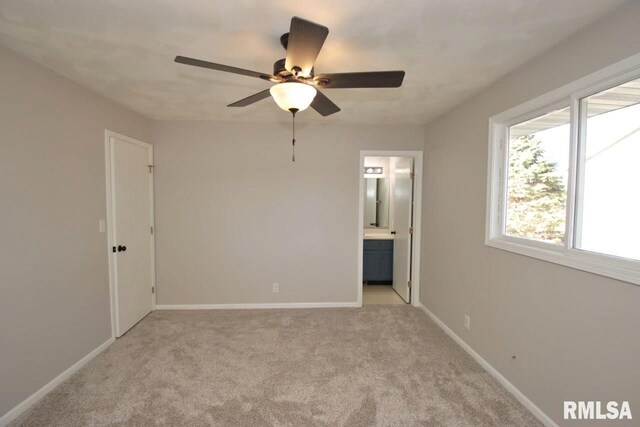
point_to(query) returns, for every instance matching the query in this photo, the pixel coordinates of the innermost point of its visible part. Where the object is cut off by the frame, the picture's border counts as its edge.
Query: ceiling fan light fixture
(293, 95)
(297, 90)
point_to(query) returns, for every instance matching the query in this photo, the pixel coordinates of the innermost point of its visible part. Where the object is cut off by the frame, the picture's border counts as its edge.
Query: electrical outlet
(102, 226)
(276, 288)
(467, 322)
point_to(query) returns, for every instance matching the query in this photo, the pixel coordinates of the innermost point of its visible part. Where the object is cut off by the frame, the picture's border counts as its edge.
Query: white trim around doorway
(417, 217)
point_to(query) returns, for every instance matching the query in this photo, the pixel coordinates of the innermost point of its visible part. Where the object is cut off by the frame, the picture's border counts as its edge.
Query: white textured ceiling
(450, 49)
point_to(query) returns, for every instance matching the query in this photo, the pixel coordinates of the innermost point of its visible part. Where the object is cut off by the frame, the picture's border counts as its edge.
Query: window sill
(603, 265)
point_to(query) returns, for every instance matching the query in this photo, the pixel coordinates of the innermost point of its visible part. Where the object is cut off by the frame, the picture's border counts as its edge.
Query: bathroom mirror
(376, 203)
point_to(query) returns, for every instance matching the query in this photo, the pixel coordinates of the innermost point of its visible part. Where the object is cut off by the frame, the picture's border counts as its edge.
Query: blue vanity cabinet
(386, 264)
(370, 264)
(377, 261)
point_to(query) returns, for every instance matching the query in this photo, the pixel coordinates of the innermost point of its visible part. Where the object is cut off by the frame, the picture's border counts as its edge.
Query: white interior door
(131, 232)
(402, 205)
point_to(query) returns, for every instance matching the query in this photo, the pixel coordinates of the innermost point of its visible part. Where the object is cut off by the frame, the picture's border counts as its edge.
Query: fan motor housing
(280, 70)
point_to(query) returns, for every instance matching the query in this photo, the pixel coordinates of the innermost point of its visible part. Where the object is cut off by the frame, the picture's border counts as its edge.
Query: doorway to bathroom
(389, 218)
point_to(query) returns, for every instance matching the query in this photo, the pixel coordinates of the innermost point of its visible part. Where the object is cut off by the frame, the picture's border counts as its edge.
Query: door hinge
(153, 289)
(150, 168)
(413, 174)
(409, 284)
(152, 229)
(410, 230)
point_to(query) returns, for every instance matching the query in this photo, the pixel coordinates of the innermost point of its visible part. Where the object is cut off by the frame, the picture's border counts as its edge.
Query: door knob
(121, 248)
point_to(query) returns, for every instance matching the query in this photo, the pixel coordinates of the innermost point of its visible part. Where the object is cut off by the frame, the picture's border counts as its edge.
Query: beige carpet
(379, 365)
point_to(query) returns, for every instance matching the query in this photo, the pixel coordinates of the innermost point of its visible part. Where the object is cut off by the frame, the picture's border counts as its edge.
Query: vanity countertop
(381, 236)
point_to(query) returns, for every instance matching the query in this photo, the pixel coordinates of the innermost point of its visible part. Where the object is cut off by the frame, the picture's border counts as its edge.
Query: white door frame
(113, 282)
(417, 217)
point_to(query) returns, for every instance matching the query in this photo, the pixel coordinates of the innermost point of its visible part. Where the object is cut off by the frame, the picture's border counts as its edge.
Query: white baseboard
(526, 402)
(256, 306)
(29, 401)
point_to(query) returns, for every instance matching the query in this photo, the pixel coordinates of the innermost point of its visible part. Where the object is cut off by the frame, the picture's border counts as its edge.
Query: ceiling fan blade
(305, 41)
(324, 105)
(251, 99)
(365, 79)
(221, 67)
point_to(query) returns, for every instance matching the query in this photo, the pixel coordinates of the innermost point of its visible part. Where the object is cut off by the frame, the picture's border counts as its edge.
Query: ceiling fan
(303, 43)
(297, 85)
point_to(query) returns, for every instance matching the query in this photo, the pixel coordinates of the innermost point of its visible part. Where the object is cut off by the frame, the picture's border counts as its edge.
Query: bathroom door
(131, 233)
(403, 213)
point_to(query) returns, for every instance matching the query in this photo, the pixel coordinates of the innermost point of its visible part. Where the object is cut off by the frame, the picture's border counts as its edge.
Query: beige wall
(54, 289)
(234, 214)
(576, 335)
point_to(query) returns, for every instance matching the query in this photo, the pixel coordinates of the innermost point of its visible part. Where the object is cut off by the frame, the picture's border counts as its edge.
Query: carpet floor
(376, 365)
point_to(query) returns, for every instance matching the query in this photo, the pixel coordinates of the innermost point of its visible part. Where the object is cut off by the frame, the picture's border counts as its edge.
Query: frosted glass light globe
(290, 95)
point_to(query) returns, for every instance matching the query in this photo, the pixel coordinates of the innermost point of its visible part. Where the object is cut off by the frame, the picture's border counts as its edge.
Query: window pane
(609, 214)
(537, 177)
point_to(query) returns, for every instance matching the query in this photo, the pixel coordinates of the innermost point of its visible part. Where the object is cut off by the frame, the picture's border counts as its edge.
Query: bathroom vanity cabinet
(377, 261)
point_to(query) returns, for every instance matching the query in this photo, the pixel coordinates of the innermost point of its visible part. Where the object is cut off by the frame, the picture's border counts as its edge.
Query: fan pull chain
(293, 140)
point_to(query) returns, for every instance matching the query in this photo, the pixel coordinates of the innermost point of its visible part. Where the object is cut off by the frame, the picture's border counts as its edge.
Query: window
(609, 201)
(538, 166)
(564, 175)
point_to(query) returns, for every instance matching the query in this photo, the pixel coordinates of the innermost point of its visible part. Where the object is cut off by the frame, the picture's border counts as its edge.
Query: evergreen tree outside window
(537, 178)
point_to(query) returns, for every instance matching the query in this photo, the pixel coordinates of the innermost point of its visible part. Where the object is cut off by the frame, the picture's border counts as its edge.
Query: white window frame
(568, 255)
